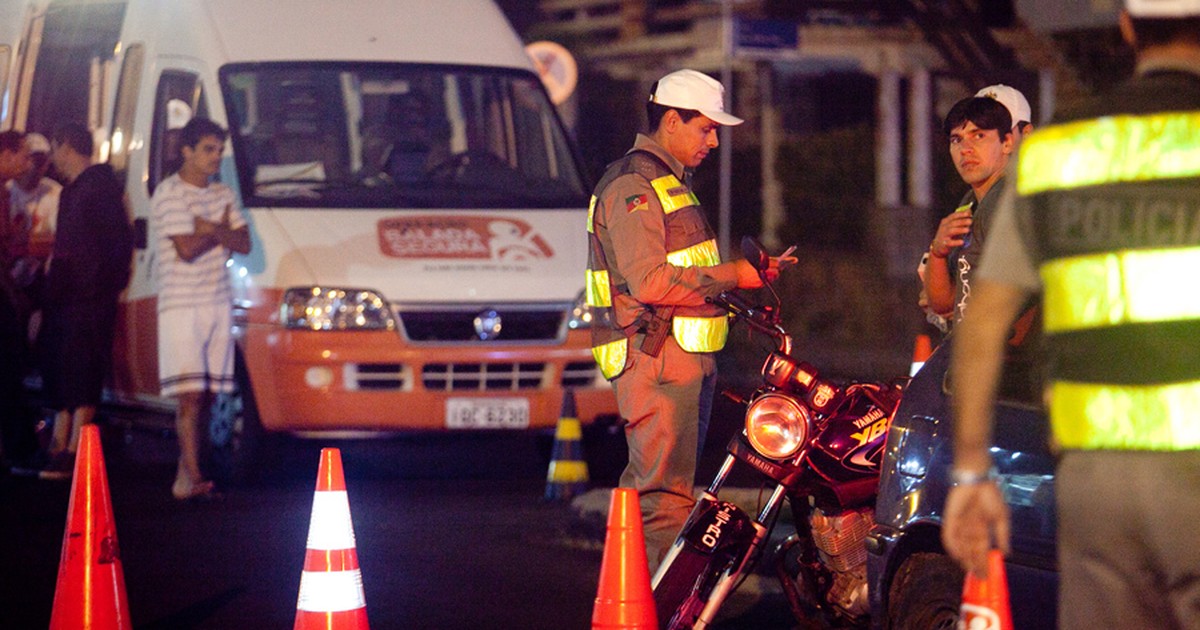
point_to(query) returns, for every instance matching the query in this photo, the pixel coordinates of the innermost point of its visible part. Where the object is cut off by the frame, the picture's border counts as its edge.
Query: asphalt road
(452, 532)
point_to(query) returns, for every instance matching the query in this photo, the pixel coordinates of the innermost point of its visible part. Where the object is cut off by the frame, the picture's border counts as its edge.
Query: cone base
(341, 620)
(90, 589)
(628, 615)
(564, 491)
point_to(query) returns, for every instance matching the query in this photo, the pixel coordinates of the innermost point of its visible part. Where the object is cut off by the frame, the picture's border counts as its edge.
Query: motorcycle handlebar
(758, 318)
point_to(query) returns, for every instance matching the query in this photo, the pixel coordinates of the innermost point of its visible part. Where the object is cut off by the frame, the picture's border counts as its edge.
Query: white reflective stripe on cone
(331, 591)
(330, 527)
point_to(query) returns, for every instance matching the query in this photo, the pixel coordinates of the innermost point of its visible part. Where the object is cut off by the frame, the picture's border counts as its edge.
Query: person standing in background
(1020, 116)
(18, 443)
(92, 256)
(981, 140)
(35, 197)
(199, 225)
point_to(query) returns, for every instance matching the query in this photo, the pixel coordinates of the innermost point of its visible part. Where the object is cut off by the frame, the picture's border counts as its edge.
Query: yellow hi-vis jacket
(680, 231)
(1111, 209)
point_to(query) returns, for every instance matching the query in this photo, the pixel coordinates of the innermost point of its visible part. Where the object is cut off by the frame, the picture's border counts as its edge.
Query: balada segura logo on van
(467, 237)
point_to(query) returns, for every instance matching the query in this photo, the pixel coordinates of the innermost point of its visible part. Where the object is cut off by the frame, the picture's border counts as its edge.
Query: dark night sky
(522, 13)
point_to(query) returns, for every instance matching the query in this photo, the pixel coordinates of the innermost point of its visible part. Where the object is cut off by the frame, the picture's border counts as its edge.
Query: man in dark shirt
(89, 268)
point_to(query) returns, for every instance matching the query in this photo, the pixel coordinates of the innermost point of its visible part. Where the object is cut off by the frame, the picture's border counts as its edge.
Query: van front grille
(457, 325)
(579, 374)
(477, 377)
(375, 377)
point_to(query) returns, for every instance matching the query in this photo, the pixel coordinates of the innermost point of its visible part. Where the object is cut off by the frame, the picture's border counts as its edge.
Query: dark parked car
(913, 584)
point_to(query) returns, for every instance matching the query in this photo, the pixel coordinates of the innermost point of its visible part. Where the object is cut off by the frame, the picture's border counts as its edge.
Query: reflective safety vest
(1111, 208)
(690, 243)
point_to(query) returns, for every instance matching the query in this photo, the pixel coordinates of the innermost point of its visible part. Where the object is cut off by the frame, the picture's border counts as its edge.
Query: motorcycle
(821, 444)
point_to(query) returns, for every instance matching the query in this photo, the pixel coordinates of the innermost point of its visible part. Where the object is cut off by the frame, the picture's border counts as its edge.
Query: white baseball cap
(37, 143)
(1163, 8)
(688, 89)
(1011, 98)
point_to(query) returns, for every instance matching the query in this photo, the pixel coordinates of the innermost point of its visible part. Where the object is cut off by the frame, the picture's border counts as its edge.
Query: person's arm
(189, 247)
(236, 240)
(637, 228)
(208, 235)
(938, 278)
(976, 517)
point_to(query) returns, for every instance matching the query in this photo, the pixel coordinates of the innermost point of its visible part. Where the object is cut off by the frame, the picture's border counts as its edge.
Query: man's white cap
(688, 89)
(37, 143)
(1011, 98)
(1163, 8)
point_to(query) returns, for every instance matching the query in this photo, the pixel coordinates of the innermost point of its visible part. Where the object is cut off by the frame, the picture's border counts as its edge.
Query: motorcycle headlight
(581, 313)
(325, 308)
(777, 425)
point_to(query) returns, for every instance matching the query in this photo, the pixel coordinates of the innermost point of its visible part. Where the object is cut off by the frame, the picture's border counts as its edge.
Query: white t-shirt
(174, 208)
(39, 206)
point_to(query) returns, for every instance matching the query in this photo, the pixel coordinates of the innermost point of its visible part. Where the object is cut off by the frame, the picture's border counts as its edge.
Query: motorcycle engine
(840, 538)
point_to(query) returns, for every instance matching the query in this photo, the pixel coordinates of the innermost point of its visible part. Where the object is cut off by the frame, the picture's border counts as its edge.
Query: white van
(416, 208)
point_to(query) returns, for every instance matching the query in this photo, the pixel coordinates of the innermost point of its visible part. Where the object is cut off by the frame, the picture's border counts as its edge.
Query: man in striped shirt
(198, 226)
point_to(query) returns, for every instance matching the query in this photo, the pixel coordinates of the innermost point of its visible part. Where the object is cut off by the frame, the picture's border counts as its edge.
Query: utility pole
(726, 171)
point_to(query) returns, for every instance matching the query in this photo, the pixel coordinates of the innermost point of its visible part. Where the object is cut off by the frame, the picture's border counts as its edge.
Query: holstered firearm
(657, 328)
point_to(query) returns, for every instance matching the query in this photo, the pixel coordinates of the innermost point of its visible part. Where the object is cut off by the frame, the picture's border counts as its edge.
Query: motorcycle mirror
(755, 253)
(757, 256)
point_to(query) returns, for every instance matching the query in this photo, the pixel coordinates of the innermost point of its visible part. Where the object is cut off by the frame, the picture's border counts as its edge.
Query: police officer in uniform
(653, 260)
(1102, 215)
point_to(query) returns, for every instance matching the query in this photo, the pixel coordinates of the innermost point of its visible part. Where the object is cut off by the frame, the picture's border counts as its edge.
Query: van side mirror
(139, 233)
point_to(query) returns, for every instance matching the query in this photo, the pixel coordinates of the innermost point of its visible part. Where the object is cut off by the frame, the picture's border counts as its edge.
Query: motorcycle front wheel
(926, 594)
(677, 598)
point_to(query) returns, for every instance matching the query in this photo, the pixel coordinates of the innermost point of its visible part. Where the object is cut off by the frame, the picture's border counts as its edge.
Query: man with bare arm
(198, 226)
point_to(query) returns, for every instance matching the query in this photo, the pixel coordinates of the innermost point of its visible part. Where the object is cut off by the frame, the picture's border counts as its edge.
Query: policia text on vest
(1117, 233)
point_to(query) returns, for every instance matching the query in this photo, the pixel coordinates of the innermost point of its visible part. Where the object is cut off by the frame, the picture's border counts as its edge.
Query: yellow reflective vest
(690, 242)
(1111, 209)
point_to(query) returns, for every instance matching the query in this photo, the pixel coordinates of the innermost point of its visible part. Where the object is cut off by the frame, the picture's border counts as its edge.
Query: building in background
(842, 152)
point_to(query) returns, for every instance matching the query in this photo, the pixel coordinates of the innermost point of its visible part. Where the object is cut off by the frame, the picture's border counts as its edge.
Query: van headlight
(581, 313)
(325, 308)
(777, 425)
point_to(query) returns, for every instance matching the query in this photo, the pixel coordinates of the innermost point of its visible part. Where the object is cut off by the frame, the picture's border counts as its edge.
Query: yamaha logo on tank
(488, 325)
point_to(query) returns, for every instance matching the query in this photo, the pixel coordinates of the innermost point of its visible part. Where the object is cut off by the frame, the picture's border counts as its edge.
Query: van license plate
(487, 413)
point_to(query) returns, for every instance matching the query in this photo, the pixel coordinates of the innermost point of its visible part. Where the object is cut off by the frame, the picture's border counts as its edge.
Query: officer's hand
(950, 233)
(974, 521)
(747, 275)
(778, 264)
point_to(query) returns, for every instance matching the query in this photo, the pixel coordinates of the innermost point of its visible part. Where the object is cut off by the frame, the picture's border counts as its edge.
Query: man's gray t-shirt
(1006, 258)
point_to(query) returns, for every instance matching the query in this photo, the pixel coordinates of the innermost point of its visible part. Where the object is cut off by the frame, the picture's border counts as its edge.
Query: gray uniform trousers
(661, 398)
(1129, 539)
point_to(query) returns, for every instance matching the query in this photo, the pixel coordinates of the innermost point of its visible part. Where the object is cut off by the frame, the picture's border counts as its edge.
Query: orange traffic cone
(985, 602)
(90, 593)
(568, 473)
(921, 351)
(624, 599)
(331, 588)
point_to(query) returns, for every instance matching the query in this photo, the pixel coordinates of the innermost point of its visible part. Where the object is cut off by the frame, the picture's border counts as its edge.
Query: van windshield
(396, 135)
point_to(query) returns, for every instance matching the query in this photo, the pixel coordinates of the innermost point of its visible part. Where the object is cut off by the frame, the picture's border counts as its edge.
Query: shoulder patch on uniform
(634, 203)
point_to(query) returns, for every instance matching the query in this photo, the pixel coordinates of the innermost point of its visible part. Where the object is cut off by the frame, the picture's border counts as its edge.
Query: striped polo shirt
(204, 280)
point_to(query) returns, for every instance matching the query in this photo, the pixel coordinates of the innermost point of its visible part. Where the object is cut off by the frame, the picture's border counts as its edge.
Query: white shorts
(195, 350)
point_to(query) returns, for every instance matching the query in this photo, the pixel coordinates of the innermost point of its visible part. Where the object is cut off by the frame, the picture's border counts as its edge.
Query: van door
(64, 64)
